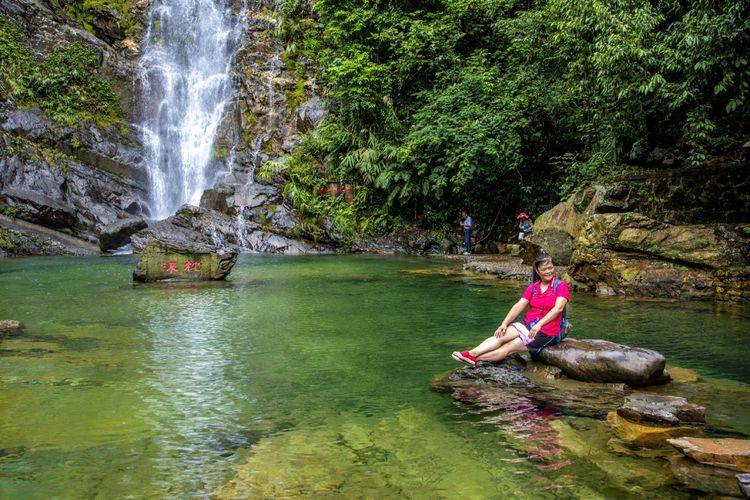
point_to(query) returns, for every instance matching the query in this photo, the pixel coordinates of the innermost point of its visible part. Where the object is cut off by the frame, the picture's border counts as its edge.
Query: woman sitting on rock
(541, 327)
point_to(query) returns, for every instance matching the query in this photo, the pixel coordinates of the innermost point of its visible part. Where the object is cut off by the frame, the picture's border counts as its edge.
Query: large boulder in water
(602, 361)
(165, 261)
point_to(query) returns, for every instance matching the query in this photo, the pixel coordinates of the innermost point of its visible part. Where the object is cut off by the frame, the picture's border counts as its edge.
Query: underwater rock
(10, 328)
(165, 261)
(658, 409)
(589, 441)
(712, 480)
(649, 436)
(593, 360)
(408, 454)
(681, 375)
(118, 234)
(727, 453)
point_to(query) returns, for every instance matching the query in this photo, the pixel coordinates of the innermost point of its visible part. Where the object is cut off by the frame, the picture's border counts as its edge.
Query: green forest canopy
(498, 105)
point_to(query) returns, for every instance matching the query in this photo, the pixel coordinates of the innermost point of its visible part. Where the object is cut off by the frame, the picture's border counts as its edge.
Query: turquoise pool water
(302, 376)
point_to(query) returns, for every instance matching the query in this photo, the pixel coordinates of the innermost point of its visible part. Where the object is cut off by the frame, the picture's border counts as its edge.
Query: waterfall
(185, 70)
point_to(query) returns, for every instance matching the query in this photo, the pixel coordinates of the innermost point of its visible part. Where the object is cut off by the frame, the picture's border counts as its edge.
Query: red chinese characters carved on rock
(169, 267)
(192, 266)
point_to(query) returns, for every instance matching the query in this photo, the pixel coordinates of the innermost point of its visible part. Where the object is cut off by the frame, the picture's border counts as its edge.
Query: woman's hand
(501, 330)
(534, 330)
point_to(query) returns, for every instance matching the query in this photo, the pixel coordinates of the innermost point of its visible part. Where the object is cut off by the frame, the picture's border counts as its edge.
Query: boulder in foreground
(593, 360)
(165, 261)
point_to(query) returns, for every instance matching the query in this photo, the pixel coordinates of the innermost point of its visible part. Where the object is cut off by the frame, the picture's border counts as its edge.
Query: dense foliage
(118, 13)
(498, 105)
(65, 85)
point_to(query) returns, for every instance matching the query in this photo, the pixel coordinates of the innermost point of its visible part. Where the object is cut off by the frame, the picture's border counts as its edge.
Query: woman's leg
(494, 343)
(515, 345)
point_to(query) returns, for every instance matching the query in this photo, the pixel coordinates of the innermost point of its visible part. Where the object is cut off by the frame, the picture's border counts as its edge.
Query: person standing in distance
(468, 225)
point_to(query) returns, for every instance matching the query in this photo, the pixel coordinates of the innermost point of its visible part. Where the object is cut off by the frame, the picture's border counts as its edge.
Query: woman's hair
(540, 259)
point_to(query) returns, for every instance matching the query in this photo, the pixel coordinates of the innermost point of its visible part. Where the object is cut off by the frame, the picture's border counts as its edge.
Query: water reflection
(195, 405)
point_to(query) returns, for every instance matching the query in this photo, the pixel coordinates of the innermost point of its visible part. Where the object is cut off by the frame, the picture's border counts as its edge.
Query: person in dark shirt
(468, 225)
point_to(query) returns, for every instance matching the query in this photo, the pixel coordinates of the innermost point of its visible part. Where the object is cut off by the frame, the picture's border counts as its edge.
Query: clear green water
(306, 376)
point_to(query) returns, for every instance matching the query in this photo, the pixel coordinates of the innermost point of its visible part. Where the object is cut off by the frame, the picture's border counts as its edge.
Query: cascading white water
(186, 61)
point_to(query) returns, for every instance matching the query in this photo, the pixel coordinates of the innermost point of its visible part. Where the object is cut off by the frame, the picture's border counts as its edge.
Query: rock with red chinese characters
(168, 261)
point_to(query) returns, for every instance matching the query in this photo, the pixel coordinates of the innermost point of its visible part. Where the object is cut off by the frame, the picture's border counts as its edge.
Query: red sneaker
(465, 357)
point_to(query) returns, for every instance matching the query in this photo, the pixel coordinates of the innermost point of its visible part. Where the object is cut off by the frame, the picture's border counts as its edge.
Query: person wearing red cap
(524, 225)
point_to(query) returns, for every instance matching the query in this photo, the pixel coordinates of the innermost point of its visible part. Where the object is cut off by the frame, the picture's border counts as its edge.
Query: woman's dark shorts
(540, 342)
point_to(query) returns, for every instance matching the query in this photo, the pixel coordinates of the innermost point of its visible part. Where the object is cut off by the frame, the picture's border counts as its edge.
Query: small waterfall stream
(185, 69)
(274, 68)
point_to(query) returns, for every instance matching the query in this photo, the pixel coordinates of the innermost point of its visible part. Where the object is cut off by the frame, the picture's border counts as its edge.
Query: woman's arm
(517, 308)
(551, 315)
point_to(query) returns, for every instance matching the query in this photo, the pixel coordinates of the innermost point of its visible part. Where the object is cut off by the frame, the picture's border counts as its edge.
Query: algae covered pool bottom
(310, 376)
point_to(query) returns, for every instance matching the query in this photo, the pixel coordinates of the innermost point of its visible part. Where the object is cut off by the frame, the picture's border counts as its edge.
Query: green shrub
(85, 12)
(66, 85)
(500, 105)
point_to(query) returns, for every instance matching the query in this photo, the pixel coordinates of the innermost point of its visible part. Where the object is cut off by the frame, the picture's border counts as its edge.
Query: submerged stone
(649, 436)
(727, 453)
(681, 375)
(589, 441)
(161, 261)
(712, 480)
(659, 409)
(408, 454)
(594, 360)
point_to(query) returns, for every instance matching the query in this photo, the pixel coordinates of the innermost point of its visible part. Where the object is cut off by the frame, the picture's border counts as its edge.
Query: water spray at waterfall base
(185, 72)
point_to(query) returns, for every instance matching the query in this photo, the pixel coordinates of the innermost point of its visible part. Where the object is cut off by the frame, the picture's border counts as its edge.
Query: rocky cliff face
(680, 234)
(66, 182)
(76, 177)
